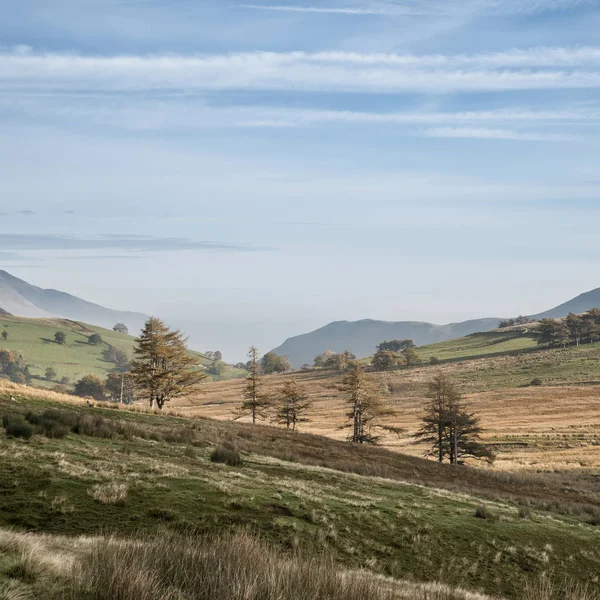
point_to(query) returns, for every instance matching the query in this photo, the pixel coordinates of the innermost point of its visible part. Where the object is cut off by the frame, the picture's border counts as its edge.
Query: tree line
(573, 329)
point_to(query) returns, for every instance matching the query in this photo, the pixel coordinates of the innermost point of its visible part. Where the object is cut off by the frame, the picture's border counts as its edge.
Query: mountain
(362, 337)
(22, 299)
(580, 304)
(4, 312)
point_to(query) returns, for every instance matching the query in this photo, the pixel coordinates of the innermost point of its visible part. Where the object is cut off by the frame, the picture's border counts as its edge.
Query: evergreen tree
(256, 403)
(451, 431)
(293, 402)
(163, 368)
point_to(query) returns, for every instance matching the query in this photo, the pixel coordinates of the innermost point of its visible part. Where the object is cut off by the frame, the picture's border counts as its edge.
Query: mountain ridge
(21, 299)
(362, 337)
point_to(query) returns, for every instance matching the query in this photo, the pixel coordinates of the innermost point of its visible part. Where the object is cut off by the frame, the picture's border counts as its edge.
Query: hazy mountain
(4, 312)
(362, 337)
(580, 304)
(21, 299)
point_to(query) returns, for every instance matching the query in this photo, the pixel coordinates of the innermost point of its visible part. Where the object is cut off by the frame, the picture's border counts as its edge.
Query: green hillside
(477, 345)
(34, 338)
(406, 518)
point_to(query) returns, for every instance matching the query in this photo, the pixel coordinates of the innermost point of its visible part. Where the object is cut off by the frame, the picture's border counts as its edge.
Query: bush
(537, 381)
(190, 452)
(525, 513)
(16, 426)
(483, 512)
(226, 454)
(434, 360)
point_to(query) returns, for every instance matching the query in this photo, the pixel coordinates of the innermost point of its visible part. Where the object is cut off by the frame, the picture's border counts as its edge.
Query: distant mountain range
(21, 299)
(362, 337)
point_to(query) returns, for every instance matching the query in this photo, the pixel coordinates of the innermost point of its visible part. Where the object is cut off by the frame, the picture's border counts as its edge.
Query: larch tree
(292, 404)
(163, 368)
(366, 411)
(256, 403)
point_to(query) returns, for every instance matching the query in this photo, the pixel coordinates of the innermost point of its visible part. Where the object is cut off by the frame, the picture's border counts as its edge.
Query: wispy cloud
(495, 134)
(180, 114)
(538, 68)
(431, 8)
(327, 9)
(27, 242)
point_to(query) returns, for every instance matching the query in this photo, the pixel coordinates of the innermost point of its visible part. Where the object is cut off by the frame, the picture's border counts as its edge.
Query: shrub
(525, 513)
(162, 514)
(483, 512)
(226, 454)
(434, 360)
(537, 381)
(16, 427)
(190, 452)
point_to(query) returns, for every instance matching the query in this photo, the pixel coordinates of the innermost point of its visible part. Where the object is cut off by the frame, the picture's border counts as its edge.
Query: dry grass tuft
(13, 590)
(238, 567)
(544, 589)
(109, 493)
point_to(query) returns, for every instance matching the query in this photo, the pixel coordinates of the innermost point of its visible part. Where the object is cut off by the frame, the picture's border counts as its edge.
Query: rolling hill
(417, 529)
(22, 299)
(34, 338)
(362, 337)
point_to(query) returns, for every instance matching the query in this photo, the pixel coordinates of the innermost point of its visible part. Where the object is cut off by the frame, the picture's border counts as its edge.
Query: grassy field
(132, 473)
(34, 338)
(553, 426)
(490, 343)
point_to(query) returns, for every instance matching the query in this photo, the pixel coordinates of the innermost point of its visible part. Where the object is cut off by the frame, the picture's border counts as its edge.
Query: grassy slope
(551, 427)
(410, 525)
(76, 358)
(491, 343)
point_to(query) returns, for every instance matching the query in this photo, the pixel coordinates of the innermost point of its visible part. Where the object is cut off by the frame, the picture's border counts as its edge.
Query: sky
(249, 171)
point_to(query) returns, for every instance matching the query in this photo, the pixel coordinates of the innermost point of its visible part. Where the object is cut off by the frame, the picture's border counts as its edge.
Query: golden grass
(534, 428)
(109, 493)
(171, 566)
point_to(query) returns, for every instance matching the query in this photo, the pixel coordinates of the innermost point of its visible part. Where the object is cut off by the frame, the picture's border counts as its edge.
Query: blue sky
(254, 170)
